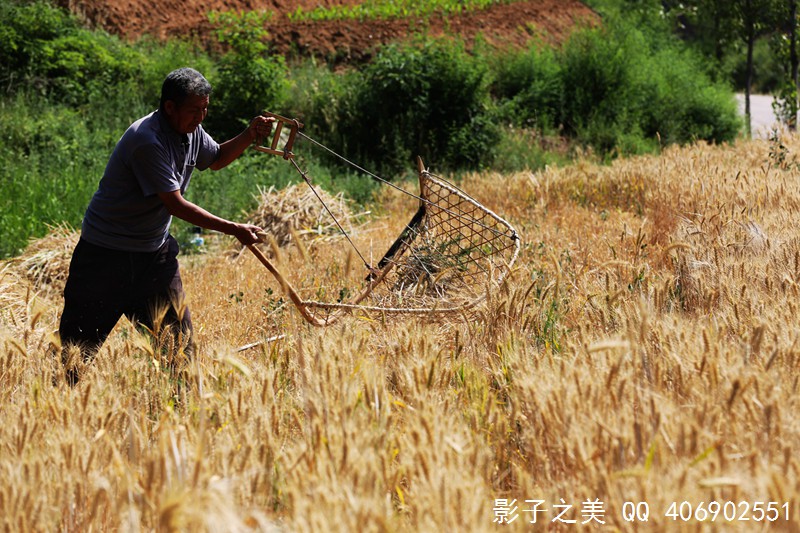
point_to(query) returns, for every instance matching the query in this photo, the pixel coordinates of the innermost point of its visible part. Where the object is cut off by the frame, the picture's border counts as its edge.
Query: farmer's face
(185, 118)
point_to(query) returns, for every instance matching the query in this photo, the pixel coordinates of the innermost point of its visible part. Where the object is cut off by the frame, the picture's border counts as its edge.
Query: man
(125, 262)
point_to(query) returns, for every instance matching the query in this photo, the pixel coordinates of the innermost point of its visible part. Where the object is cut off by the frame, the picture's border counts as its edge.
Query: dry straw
(45, 261)
(297, 209)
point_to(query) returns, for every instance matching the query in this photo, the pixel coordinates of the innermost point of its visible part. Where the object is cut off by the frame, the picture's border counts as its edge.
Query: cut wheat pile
(12, 296)
(45, 262)
(297, 209)
(642, 355)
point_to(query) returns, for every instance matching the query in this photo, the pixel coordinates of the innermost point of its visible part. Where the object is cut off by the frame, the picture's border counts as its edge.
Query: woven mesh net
(452, 251)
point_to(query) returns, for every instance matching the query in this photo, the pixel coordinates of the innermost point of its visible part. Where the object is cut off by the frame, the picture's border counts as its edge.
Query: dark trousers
(105, 284)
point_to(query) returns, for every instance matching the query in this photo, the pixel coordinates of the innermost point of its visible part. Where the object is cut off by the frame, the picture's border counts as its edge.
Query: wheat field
(638, 371)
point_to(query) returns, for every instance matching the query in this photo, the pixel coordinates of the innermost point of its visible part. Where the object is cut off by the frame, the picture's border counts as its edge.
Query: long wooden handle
(289, 290)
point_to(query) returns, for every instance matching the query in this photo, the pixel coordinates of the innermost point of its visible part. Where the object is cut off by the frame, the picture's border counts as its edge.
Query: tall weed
(249, 78)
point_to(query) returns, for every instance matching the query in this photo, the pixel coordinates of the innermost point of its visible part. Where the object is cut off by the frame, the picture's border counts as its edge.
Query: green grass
(53, 161)
(389, 9)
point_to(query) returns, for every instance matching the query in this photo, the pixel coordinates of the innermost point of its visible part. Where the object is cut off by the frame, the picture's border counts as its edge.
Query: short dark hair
(182, 83)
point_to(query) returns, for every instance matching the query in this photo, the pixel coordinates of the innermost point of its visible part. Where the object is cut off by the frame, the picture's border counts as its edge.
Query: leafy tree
(710, 25)
(719, 27)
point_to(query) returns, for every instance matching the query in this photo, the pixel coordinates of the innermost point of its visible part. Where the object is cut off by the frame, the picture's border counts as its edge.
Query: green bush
(615, 91)
(684, 104)
(50, 174)
(43, 48)
(424, 98)
(530, 86)
(322, 100)
(521, 149)
(155, 61)
(82, 65)
(23, 29)
(602, 80)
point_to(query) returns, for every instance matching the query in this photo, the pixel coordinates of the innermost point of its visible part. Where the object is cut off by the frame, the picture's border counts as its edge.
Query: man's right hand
(247, 233)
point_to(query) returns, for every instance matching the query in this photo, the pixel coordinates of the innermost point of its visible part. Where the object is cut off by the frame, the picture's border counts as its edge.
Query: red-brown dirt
(512, 24)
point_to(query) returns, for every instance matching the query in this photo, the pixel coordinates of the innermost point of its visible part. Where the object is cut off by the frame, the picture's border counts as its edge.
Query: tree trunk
(793, 60)
(719, 50)
(751, 39)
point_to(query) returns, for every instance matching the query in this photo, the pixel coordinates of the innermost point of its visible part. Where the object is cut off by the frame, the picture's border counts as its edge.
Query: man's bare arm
(259, 128)
(180, 207)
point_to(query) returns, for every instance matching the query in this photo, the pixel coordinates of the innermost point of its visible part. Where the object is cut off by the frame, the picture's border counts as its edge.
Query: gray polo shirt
(126, 213)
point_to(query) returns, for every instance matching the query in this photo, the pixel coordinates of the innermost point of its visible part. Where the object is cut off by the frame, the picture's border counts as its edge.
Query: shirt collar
(173, 136)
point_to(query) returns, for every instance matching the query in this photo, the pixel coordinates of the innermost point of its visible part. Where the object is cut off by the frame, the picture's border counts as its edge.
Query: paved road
(762, 118)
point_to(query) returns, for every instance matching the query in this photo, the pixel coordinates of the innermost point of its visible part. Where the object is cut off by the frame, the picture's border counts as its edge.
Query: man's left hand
(260, 127)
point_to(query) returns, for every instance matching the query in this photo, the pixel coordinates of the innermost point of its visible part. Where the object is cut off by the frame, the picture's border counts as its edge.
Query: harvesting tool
(450, 253)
